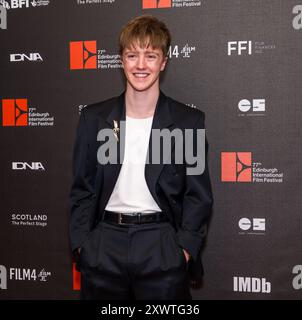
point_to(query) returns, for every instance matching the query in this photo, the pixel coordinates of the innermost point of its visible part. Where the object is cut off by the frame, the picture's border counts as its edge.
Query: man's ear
(165, 60)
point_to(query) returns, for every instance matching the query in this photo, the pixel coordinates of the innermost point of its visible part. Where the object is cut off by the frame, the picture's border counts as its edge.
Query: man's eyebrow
(153, 52)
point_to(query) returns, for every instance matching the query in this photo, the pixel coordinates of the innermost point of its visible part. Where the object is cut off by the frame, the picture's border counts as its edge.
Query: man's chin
(140, 88)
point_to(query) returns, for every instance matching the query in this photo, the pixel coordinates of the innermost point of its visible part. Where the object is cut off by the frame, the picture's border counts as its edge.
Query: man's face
(142, 67)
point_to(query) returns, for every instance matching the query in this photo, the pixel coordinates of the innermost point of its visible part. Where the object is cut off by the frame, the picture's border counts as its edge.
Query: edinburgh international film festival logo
(164, 4)
(86, 55)
(240, 167)
(17, 113)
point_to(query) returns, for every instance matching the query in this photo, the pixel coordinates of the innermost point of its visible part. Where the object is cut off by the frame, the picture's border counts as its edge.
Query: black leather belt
(133, 218)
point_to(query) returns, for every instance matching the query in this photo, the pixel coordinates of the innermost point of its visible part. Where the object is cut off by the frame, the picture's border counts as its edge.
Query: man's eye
(151, 56)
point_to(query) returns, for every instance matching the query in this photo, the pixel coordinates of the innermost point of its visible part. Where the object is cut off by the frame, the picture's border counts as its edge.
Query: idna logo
(26, 165)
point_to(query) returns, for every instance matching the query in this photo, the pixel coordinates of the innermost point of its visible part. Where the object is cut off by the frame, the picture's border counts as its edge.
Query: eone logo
(248, 284)
(258, 105)
(297, 281)
(257, 224)
(297, 21)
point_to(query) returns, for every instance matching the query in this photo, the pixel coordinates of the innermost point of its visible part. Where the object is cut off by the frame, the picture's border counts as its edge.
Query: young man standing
(137, 225)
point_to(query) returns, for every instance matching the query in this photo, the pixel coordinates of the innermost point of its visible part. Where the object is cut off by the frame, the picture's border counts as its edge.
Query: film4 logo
(21, 274)
(177, 51)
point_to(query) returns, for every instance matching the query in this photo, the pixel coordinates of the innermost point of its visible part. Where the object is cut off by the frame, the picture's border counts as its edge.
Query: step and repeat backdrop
(237, 60)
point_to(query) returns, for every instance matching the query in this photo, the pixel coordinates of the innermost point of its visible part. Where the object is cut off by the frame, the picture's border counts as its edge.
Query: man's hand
(187, 255)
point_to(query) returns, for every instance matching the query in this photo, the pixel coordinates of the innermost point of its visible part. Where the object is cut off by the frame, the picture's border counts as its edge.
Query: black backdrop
(237, 60)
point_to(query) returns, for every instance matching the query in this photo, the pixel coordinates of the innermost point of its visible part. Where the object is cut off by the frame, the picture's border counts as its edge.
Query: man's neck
(141, 104)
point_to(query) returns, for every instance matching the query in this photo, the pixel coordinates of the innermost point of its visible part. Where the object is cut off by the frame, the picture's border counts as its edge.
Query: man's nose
(141, 62)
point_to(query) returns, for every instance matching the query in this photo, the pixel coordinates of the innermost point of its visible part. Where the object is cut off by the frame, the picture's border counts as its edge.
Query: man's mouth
(141, 75)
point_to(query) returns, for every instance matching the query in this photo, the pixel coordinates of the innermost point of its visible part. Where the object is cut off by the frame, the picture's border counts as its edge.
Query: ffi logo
(83, 55)
(236, 166)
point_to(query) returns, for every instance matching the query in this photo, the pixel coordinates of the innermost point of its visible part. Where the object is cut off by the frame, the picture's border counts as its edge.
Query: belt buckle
(119, 220)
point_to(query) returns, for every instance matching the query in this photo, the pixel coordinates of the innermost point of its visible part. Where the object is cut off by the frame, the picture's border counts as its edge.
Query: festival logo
(165, 4)
(17, 113)
(239, 167)
(86, 55)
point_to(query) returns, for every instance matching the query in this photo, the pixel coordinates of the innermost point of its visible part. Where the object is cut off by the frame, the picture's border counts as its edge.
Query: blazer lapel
(162, 119)
(111, 171)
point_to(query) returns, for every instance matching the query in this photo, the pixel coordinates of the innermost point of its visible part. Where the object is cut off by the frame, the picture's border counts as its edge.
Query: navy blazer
(186, 199)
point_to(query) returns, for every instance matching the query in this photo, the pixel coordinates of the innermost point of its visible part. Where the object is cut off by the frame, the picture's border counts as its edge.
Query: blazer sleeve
(82, 193)
(197, 204)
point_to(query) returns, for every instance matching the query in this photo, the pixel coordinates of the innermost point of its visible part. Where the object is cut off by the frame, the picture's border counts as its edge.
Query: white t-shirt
(131, 193)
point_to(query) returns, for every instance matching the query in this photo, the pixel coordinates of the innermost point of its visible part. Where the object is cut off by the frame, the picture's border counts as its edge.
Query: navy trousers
(139, 262)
